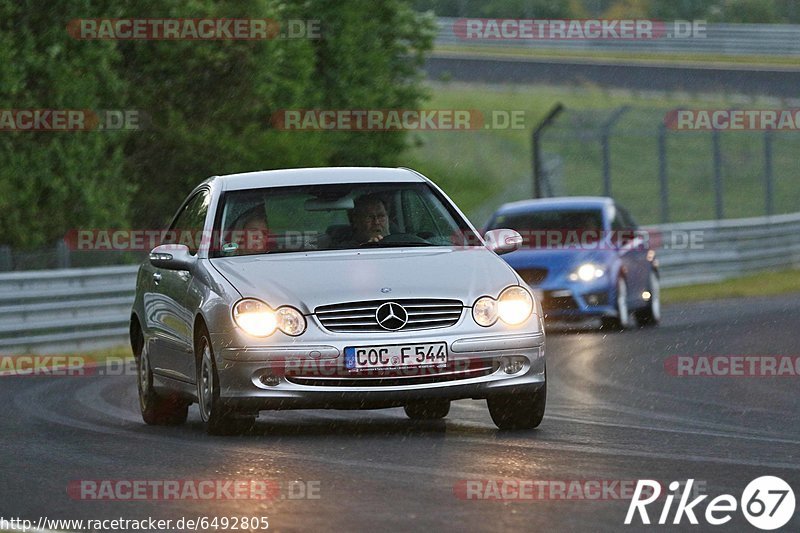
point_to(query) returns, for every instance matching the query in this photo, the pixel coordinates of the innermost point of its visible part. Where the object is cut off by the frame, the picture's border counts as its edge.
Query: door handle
(157, 277)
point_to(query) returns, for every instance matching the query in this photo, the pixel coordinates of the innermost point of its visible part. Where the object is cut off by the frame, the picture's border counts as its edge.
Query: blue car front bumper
(567, 300)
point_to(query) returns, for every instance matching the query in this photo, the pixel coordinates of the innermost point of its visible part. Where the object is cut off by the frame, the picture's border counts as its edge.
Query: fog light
(513, 365)
(270, 380)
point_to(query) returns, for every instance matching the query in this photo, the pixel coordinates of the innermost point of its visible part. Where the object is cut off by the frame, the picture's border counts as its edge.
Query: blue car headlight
(587, 272)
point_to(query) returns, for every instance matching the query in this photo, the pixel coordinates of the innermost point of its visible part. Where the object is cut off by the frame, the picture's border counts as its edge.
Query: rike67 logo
(767, 503)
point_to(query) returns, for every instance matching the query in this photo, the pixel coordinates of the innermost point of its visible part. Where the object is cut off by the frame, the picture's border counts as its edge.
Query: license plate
(397, 356)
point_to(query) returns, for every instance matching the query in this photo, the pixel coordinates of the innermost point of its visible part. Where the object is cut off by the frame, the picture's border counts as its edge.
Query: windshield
(584, 219)
(554, 228)
(335, 217)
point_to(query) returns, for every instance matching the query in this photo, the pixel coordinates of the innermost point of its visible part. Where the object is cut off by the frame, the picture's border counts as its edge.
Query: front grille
(397, 378)
(533, 276)
(360, 316)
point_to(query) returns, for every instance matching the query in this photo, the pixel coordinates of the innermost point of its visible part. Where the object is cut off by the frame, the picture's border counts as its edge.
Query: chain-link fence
(667, 175)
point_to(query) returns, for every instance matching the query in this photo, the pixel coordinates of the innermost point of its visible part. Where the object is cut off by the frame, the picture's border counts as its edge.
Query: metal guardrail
(58, 311)
(728, 248)
(717, 39)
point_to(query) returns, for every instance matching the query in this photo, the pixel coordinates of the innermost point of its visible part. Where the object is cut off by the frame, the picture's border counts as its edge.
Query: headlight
(514, 306)
(259, 320)
(291, 321)
(587, 272)
(485, 311)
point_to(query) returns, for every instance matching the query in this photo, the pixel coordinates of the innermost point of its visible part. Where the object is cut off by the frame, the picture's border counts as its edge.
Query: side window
(188, 226)
(623, 227)
(627, 219)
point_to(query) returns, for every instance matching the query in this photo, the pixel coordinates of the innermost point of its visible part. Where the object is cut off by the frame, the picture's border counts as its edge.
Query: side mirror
(172, 257)
(503, 241)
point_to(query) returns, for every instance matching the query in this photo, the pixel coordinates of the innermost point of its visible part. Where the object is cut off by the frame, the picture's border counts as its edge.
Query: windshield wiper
(395, 244)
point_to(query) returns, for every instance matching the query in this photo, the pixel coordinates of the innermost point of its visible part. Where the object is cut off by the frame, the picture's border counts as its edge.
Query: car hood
(557, 260)
(307, 281)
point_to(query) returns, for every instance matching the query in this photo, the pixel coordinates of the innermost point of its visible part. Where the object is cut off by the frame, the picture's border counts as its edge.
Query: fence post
(662, 172)
(538, 169)
(768, 192)
(62, 254)
(6, 262)
(605, 140)
(718, 200)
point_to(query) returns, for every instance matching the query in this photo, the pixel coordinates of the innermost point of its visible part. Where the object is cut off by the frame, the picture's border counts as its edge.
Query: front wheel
(218, 419)
(156, 410)
(651, 314)
(518, 411)
(623, 318)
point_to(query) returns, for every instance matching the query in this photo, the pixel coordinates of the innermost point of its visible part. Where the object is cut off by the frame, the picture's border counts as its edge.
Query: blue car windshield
(561, 220)
(335, 216)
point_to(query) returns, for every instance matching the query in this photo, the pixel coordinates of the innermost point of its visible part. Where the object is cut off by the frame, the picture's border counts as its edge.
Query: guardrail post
(715, 142)
(538, 167)
(605, 140)
(768, 192)
(662, 172)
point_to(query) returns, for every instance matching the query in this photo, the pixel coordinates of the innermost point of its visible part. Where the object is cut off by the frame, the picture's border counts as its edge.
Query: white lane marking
(683, 431)
(26, 402)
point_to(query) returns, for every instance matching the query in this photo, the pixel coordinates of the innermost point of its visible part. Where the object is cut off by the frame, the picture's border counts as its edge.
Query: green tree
(369, 58)
(208, 104)
(53, 181)
(749, 11)
(211, 102)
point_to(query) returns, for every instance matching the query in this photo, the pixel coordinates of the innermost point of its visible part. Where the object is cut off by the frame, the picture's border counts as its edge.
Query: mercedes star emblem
(391, 316)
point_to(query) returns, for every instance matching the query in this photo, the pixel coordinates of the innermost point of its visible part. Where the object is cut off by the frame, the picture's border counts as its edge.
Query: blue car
(585, 258)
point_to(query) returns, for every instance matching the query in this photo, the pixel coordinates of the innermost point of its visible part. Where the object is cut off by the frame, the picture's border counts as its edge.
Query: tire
(623, 318)
(650, 316)
(518, 411)
(427, 409)
(217, 418)
(156, 410)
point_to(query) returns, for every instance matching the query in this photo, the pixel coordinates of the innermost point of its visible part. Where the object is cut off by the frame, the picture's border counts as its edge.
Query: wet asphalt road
(613, 413)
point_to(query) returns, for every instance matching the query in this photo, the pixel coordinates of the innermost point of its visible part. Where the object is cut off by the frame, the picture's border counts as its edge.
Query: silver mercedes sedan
(333, 288)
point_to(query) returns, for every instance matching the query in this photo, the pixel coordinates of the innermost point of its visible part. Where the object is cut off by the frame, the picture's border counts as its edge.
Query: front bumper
(575, 300)
(311, 375)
